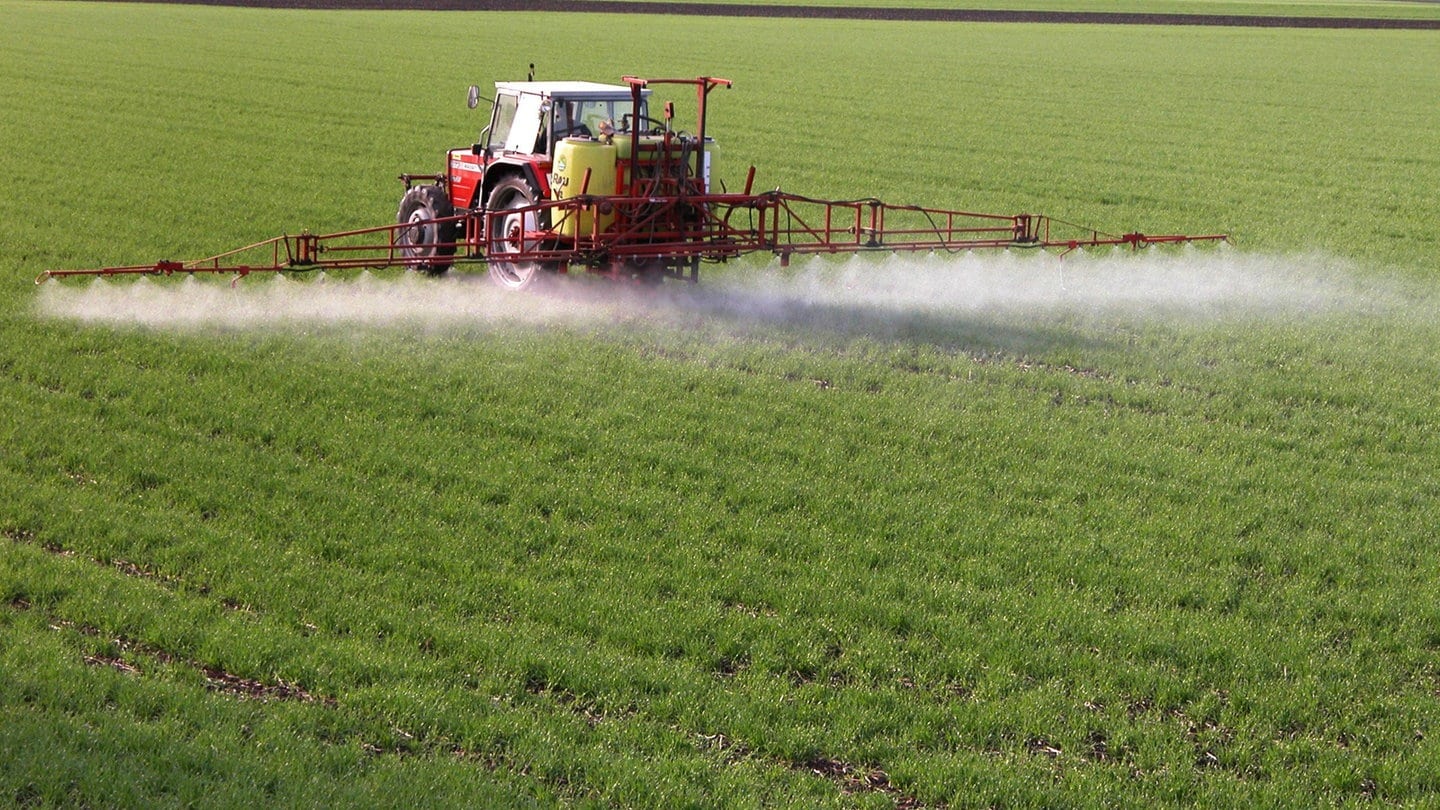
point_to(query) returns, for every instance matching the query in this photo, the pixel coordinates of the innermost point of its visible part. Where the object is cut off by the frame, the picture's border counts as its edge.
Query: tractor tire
(426, 245)
(509, 195)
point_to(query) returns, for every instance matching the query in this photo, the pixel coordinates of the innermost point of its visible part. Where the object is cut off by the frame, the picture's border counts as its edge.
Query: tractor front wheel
(509, 199)
(425, 244)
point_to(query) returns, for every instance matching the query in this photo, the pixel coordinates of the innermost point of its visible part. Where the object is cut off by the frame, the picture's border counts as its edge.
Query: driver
(568, 123)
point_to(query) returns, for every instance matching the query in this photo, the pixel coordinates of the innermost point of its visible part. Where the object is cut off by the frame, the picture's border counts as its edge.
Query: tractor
(556, 140)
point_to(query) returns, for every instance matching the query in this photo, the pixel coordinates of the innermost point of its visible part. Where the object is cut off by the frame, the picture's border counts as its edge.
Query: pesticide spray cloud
(1197, 283)
(365, 302)
(1203, 283)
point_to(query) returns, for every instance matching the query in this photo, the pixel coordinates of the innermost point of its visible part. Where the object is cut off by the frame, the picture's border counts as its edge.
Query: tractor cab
(530, 117)
(527, 122)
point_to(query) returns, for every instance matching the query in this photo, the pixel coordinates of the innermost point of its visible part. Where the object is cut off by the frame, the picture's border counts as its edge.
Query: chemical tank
(573, 157)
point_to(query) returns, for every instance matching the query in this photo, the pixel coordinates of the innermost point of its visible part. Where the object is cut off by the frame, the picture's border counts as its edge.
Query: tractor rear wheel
(506, 200)
(427, 245)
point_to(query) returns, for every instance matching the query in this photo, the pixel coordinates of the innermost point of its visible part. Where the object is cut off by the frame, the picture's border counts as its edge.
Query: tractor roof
(575, 90)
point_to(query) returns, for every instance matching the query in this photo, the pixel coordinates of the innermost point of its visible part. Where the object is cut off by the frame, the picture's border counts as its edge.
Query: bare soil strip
(836, 12)
(852, 780)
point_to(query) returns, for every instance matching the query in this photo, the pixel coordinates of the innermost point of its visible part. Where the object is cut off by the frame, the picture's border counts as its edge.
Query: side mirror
(474, 100)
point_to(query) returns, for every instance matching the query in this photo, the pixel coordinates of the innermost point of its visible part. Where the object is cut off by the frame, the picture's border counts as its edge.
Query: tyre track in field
(702, 9)
(138, 658)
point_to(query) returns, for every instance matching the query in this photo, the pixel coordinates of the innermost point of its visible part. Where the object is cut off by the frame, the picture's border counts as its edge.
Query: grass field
(963, 531)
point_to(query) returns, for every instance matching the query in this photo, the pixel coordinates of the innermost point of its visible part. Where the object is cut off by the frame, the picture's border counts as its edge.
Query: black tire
(508, 195)
(426, 245)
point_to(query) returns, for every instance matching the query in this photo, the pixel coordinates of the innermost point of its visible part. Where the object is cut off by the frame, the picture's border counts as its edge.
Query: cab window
(503, 118)
(527, 127)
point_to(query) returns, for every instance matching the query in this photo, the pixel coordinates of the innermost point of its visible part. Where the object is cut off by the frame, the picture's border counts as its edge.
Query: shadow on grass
(808, 322)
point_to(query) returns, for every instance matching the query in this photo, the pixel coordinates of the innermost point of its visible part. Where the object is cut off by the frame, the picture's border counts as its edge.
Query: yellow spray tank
(573, 158)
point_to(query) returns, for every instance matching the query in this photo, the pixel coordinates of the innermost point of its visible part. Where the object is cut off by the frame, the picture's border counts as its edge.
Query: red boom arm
(710, 227)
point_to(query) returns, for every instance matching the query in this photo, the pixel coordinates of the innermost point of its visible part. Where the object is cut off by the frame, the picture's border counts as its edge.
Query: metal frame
(674, 229)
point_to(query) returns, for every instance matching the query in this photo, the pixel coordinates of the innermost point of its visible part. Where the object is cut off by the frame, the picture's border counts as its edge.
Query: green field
(1123, 530)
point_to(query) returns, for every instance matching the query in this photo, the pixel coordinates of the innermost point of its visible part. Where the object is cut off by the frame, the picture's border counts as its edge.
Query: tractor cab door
(528, 133)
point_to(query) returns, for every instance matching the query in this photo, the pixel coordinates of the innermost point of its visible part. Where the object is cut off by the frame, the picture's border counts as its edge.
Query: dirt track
(838, 12)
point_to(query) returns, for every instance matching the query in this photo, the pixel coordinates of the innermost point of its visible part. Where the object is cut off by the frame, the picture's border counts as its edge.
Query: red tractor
(558, 141)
